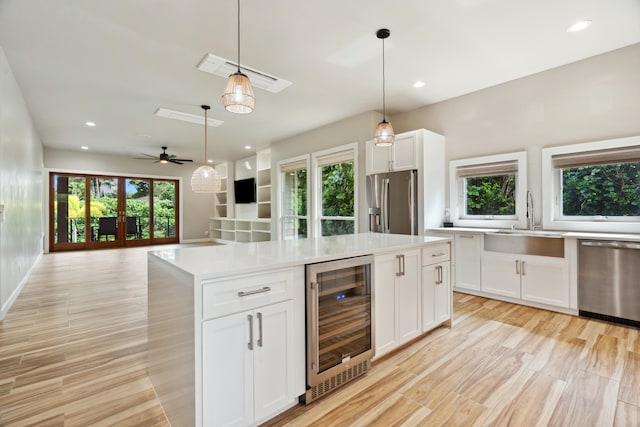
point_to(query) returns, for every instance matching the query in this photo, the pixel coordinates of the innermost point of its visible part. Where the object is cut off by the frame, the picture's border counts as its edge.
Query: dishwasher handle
(612, 244)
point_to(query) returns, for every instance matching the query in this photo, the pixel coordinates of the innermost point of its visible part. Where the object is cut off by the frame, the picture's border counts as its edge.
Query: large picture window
(595, 186)
(488, 189)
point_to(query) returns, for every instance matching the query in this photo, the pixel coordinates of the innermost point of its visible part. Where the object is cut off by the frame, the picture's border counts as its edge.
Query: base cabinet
(539, 279)
(397, 299)
(436, 286)
(436, 295)
(246, 371)
(467, 260)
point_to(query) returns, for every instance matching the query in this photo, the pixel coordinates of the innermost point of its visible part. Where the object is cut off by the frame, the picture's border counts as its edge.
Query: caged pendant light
(205, 179)
(384, 135)
(238, 96)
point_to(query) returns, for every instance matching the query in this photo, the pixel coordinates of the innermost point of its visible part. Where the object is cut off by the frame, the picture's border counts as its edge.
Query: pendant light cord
(206, 125)
(239, 36)
(384, 103)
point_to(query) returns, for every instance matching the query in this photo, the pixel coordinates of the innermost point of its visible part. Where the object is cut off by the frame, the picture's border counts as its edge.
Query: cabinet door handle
(465, 236)
(523, 273)
(399, 259)
(439, 278)
(439, 254)
(403, 267)
(250, 319)
(257, 291)
(518, 267)
(260, 342)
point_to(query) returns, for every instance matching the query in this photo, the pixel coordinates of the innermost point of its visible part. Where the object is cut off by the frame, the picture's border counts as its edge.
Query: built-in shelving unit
(264, 183)
(247, 222)
(227, 230)
(223, 206)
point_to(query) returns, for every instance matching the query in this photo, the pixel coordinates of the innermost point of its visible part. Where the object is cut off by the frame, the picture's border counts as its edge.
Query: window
(293, 198)
(485, 191)
(336, 192)
(594, 186)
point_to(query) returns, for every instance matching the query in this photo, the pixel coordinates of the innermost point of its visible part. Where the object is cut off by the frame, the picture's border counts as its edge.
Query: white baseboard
(14, 295)
(206, 239)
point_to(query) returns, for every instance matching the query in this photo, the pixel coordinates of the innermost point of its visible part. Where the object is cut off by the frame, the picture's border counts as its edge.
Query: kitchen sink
(526, 242)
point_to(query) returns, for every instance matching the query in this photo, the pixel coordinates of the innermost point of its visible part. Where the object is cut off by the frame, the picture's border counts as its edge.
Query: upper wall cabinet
(402, 155)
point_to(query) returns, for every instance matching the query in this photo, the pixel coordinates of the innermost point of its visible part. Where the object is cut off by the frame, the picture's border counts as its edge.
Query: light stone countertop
(628, 237)
(207, 262)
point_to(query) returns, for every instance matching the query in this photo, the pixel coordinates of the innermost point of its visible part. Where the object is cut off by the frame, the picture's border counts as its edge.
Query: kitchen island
(202, 365)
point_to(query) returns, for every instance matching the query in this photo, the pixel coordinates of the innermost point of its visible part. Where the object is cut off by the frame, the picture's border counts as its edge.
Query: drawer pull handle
(257, 291)
(438, 254)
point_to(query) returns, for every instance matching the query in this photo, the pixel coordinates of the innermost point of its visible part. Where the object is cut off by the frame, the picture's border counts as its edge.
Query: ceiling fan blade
(145, 158)
(149, 155)
(175, 161)
(183, 160)
(157, 161)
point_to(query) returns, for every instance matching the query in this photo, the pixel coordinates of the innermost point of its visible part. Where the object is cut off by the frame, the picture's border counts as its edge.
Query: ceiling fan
(164, 158)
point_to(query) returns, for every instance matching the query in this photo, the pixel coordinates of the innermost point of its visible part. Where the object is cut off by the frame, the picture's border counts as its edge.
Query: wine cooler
(339, 323)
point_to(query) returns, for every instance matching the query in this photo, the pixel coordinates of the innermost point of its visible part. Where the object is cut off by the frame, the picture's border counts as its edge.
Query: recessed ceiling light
(419, 84)
(247, 147)
(579, 26)
(90, 124)
(84, 147)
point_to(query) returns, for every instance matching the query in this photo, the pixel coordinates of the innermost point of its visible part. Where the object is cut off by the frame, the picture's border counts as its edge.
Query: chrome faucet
(530, 212)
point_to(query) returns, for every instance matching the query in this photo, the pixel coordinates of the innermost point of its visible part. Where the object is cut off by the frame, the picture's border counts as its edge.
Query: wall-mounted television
(245, 190)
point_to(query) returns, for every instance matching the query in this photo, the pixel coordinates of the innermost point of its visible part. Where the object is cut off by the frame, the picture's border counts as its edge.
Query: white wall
(21, 230)
(196, 207)
(593, 99)
(358, 129)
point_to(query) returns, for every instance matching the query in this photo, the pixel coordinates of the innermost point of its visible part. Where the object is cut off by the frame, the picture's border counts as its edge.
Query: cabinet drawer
(241, 293)
(435, 254)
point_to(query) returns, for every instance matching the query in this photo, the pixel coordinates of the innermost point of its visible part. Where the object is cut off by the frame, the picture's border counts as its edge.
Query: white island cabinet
(227, 323)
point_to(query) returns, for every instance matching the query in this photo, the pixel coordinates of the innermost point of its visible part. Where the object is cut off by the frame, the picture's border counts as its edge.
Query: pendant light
(384, 135)
(238, 94)
(205, 179)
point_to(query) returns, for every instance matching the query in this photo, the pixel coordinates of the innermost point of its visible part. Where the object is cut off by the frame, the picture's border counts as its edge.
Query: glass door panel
(103, 213)
(164, 209)
(68, 212)
(137, 208)
(92, 211)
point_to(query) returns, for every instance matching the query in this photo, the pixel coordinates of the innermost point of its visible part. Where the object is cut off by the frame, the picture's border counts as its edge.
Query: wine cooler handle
(314, 327)
(260, 342)
(250, 319)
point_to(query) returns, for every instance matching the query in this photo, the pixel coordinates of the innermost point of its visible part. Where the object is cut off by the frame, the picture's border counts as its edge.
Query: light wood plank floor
(72, 353)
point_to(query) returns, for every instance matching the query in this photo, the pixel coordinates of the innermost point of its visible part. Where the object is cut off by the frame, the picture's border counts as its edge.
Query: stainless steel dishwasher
(609, 281)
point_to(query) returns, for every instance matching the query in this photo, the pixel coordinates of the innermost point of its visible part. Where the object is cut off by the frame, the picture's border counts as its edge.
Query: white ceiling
(115, 62)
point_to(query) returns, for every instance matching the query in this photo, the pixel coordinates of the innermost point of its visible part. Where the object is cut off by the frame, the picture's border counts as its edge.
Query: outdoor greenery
(607, 190)
(491, 195)
(338, 198)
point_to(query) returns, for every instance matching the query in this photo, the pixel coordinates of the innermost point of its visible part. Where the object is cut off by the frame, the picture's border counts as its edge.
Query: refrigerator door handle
(412, 218)
(385, 205)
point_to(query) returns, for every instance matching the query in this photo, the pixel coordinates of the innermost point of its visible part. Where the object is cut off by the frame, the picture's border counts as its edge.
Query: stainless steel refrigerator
(393, 202)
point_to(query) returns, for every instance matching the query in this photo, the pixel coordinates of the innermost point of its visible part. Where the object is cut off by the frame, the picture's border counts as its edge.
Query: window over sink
(593, 186)
(489, 191)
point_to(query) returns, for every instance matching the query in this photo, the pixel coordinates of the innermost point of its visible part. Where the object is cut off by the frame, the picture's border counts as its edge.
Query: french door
(97, 211)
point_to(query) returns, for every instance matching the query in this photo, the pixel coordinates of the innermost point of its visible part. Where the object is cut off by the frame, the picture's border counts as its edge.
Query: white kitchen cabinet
(545, 280)
(501, 274)
(467, 260)
(402, 155)
(397, 299)
(247, 365)
(530, 278)
(436, 286)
